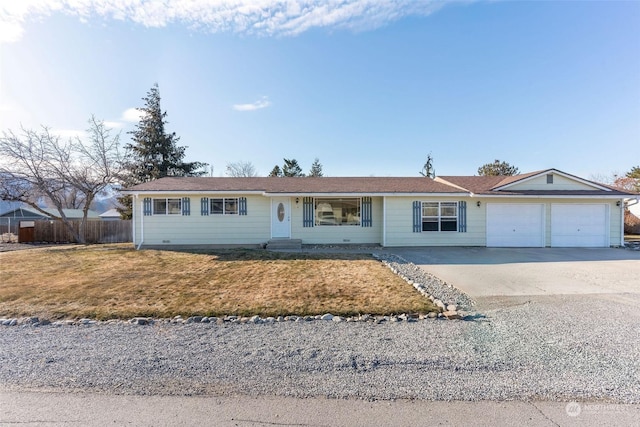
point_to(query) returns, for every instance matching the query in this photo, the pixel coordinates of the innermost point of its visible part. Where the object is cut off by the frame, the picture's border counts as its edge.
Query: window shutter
(242, 206)
(307, 212)
(204, 206)
(417, 216)
(366, 220)
(186, 206)
(146, 206)
(462, 216)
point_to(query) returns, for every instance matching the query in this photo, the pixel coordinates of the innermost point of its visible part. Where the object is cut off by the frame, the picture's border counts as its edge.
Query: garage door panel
(515, 225)
(579, 225)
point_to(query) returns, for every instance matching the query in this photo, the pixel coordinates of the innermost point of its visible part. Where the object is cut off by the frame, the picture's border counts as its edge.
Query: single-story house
(110, 215)
(30, 214)
(537, 209)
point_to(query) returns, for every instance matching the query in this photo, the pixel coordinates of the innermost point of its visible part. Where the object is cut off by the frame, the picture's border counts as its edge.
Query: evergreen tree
(316, 168)
(276, 171)
(497, 168)
(153, 153)
(291, 168)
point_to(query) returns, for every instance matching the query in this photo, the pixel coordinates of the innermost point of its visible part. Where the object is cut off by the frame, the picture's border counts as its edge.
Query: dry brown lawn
(115, 281)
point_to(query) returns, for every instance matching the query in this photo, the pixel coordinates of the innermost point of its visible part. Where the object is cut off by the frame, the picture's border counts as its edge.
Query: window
(337, 211)
(167, 206)
(227, 206)
(439, 216)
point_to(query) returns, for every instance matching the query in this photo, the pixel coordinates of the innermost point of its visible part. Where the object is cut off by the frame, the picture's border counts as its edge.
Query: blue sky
(369, 87)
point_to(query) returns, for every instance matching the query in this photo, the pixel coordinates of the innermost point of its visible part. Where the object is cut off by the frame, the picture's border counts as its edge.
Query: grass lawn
(115, 281)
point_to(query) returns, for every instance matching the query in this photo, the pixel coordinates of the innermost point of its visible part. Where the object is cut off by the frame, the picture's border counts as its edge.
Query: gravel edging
(440, 292)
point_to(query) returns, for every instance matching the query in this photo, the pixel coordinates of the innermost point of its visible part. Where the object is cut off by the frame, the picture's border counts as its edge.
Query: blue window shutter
(462, 216)
(417, 216)
(186, 206)
(146, 206)
(307, 212)
(242, 208)
(204, 206)
(366, 219)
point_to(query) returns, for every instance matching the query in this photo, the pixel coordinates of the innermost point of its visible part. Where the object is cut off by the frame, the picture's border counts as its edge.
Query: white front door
(280, 218)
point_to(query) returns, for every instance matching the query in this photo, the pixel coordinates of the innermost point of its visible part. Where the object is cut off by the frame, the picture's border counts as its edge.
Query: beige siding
(255, 227)
(559, 183)
(195, 229)
(343, 234)
(399, 221)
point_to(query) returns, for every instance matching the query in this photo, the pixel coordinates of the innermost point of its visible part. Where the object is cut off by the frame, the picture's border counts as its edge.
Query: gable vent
(550, 178)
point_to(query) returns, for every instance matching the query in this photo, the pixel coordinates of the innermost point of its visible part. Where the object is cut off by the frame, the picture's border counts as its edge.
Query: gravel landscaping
(564, 348)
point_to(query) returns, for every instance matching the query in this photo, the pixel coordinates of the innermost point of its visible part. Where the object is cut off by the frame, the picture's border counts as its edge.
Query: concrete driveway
(485, 272)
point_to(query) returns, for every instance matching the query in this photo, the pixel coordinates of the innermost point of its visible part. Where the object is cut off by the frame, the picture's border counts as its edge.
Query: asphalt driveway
(512, 272)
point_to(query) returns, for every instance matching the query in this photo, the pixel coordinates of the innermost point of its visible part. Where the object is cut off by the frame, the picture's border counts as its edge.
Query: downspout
(384, 221)
(622, 206)
(141, 223)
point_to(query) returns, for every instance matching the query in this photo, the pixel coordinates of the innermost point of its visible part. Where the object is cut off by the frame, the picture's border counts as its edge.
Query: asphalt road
(85, 409)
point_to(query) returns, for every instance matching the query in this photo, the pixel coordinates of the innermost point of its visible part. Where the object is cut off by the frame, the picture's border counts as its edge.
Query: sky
(369, 87)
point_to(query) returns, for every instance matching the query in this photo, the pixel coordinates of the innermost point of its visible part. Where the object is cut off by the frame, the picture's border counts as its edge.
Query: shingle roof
(302, 185)
(493, 184)
(31, 212)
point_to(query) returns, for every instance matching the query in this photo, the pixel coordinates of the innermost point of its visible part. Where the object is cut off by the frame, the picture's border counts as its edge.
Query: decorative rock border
(448, 298)
(632, 245)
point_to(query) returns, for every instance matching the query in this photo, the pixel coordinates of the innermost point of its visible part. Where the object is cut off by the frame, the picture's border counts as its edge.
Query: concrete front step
(284, 244)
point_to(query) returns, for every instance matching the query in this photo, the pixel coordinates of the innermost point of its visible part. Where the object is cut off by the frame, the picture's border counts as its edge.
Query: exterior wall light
(478, 203)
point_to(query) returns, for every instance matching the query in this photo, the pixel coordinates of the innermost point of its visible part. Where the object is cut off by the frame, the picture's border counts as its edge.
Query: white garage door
(579, 225)
(513, 225)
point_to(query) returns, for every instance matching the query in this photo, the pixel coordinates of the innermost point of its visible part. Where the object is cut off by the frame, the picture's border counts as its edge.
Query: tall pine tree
(316, 168)
(153, 153)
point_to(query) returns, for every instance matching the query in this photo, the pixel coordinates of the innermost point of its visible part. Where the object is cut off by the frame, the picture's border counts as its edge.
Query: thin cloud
(258, 105)
(258, 17)
(131, 115)
(113, 124)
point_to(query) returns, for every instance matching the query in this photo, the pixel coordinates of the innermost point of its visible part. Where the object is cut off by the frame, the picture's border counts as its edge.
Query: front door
(280, 218)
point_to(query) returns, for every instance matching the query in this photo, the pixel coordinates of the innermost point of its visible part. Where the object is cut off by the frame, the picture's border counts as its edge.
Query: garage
(579, 225)
(515, 225)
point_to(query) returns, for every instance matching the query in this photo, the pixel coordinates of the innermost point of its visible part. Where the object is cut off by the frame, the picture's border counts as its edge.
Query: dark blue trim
(417, 216)
(204, 206)
(307, 212)
(146, 206)
(367, 220)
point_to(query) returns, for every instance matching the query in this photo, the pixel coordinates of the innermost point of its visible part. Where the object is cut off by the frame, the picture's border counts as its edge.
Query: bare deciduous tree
(241, 169)
(37, 164)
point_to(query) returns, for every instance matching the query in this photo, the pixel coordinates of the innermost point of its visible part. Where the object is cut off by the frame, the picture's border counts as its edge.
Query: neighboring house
(30, 214)
(538, 209)
(634, 207)
(110, 215)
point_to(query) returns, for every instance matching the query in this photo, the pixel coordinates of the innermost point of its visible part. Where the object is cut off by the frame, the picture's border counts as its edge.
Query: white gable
(552, 180)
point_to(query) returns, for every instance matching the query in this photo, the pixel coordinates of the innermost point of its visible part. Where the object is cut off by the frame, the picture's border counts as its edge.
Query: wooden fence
(96, 231)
